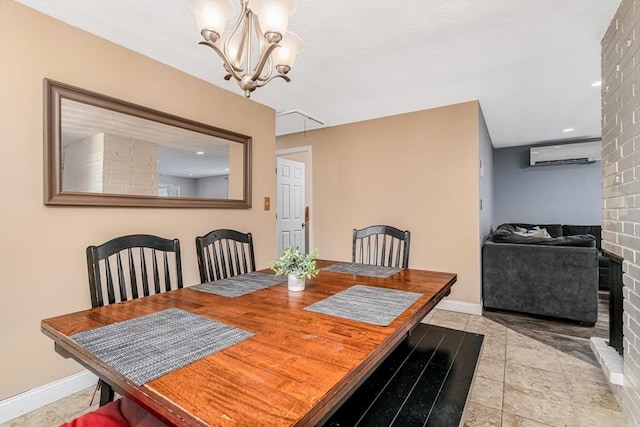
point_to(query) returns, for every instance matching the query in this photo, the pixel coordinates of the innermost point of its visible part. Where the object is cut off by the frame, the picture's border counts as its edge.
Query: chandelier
(258, 48)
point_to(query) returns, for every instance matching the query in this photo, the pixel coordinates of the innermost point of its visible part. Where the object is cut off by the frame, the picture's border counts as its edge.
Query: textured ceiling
(530, 63)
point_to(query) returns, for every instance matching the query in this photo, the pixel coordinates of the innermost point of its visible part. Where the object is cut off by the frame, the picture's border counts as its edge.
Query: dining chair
(141, 264)
(381, 245)
(224, 253)
(123, 412)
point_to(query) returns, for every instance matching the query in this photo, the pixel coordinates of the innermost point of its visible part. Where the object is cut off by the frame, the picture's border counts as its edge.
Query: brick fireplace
(621, 192)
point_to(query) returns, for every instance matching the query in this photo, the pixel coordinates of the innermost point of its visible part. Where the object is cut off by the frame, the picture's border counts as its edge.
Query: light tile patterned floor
(520, 383)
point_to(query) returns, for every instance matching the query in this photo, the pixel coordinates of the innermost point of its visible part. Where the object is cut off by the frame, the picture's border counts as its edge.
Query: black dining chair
(224, 253)
(130, 267)
(381, 245)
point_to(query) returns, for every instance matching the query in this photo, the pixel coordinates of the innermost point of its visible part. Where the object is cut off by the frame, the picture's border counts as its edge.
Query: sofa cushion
(594, 230)
(506, 234)
(554, 230)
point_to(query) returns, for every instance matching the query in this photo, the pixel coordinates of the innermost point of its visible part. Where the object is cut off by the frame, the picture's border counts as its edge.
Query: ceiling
(530, 63)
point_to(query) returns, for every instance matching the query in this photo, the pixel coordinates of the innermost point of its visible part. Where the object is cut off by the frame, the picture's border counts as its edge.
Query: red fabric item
(120, 413)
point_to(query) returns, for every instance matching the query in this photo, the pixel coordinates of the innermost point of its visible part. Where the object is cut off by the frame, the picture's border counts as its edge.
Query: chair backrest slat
(391, 242)
(112, 252)
(145, 274)
(167, 276)
(132, 275)
(156, 274)
(236, 257)
(229, 259)
(244, 259)
(122, 285)
(224, 253)
(110, 291)
(209, 263)
(394, 243)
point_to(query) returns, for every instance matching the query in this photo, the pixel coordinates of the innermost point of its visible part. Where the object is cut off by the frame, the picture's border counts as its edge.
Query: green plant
(293, 262)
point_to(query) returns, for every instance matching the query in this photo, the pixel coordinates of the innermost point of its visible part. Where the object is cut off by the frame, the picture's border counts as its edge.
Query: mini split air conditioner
(579, 153)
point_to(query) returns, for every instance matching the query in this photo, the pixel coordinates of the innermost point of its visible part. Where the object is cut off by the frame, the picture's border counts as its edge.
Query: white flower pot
(295, 284)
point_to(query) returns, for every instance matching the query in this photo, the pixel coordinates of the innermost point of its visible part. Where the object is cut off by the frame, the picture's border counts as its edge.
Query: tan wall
(416, 171)
(42, 258)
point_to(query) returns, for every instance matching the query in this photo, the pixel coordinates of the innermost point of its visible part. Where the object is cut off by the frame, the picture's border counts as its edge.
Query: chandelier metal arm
(263, 60)
(244, 12)
(263, 45)
(227, 65)
(286, 78)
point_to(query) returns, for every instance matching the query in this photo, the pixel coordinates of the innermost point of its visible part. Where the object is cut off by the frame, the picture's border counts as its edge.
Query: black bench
(424, 381)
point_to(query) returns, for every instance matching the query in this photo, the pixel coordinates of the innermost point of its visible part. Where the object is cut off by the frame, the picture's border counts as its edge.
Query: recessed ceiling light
(568, 130)
(226, 169)
(597, 84)
(200, 153)
(190, 174)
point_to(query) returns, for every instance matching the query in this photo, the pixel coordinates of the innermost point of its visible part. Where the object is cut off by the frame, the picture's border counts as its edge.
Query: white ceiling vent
(294, 121)
(583, 152)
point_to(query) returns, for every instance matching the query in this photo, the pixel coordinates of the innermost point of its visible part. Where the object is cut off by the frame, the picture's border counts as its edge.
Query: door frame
(308, 183)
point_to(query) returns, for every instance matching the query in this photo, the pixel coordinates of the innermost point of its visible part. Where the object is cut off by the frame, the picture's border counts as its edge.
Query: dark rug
(566, 336)
(425, 381)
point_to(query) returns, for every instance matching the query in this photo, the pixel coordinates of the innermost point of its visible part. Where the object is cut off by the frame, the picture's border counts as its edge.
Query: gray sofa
(555, 276)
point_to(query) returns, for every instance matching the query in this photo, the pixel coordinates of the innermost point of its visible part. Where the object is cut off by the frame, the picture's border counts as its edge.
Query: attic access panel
(294, 121)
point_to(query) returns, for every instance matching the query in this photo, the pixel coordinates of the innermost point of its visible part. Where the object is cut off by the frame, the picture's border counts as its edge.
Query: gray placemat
(242, 284)
(379, 271)
(147, 347)
(378, 306)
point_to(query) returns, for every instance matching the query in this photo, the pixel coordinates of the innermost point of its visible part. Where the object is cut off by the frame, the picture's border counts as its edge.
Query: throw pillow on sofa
(555, 230)
(506, 234)
(534, 232)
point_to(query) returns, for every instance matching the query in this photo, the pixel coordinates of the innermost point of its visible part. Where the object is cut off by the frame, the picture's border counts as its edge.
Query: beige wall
(416, 171)
(42, 258)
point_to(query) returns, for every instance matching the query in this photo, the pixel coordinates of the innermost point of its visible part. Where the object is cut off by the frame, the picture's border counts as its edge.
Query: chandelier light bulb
(212, 16)
(273, 16)
(290, 47)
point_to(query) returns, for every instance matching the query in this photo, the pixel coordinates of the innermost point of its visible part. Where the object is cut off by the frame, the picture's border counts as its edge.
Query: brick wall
(621, 181)
(130, 166)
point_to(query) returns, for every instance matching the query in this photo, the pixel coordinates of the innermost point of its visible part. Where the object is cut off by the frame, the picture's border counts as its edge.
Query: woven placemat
(242, 284)
(378, 306)
(379, 271)
(147, 347)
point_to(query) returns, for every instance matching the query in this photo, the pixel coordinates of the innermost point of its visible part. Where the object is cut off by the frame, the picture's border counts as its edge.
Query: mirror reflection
(105, 151)
(102, 151)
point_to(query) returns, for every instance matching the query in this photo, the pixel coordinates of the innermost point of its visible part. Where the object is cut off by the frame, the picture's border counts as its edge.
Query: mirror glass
(108, 152)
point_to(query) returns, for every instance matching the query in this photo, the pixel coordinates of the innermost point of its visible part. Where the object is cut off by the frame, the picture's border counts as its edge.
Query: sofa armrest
(558, 281)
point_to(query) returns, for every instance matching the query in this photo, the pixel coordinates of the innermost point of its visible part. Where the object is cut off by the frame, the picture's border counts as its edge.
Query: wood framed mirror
(103, 151)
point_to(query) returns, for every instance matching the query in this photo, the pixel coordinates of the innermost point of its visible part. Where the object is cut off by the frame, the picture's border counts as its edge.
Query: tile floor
(520, 382)
(523, 382)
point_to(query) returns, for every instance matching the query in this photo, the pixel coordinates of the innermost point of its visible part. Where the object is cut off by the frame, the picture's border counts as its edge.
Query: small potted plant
(297, 266)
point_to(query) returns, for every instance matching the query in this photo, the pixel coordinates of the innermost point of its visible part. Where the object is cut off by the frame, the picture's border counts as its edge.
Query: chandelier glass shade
(257, 48)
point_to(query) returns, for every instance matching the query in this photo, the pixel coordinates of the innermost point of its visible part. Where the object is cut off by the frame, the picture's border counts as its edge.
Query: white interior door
(291, 203)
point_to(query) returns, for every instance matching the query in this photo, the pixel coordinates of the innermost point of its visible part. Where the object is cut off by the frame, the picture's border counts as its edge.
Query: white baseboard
(38, 397)
(460, 307)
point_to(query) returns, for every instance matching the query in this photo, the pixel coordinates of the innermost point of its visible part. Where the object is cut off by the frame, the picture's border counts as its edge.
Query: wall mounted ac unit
(565, 154)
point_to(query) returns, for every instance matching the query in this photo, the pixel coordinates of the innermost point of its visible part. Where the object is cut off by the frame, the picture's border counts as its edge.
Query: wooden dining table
(296, 368)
